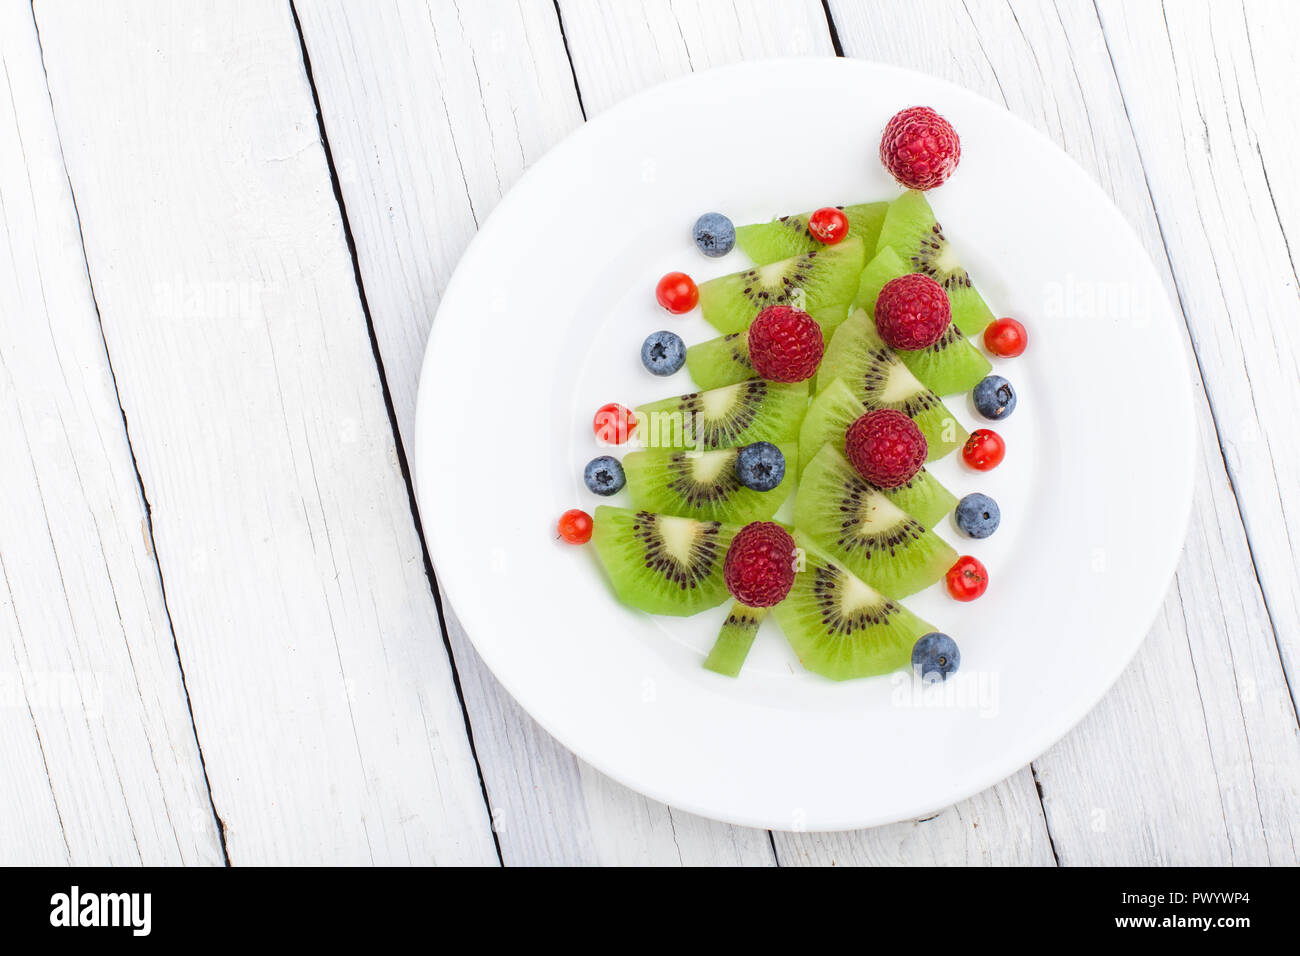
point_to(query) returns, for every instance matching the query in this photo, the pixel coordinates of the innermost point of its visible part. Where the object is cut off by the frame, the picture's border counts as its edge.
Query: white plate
(543, 321)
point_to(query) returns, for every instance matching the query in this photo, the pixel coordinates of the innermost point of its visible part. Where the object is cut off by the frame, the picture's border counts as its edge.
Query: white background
(218, 639)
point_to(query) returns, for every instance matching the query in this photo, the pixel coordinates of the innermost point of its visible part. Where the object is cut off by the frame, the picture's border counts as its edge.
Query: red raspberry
(920, 148)
(886, 447)
(785, 345)
(912, 312)
(759, 567)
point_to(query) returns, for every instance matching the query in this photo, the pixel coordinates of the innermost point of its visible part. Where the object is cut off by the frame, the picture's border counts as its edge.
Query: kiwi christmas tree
(822, 395)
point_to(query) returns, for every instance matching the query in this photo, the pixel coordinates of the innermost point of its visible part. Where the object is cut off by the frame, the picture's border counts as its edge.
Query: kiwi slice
(948, 366)
(911, 231)
(840, 627)
(660, 563)
(720, 361)
(924, 498)
(703, 484)
(812, 281)
(787, 236)
(725, 360)
(755, 410)
(879, 379)
(859, 526)
(734, 640)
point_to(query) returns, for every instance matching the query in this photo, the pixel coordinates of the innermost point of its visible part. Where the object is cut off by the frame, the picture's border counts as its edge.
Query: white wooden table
(226, 229)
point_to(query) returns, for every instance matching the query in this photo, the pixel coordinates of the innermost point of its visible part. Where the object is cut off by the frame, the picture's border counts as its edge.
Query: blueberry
(934, 657)
(760, 466)
(604, 475)
(995, 399)
(714, 234)
(663, 352)
(978, 515)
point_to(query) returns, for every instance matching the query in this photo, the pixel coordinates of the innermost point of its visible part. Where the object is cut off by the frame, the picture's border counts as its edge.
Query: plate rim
(1036, 743)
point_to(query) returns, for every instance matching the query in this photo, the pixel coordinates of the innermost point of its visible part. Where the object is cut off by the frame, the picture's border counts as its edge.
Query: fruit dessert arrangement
(837, 349)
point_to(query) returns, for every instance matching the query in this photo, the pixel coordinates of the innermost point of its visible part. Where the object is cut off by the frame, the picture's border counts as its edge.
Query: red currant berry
(677, 293)
(613, 424)
(967, 579)
(575, 526)
(829, 225)
(1006, 337)
(984, 449)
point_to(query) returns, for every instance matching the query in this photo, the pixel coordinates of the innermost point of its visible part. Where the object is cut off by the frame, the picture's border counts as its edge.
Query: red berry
(613, 424)
(785, 345)
(984, 449)
(967, 579)
(677, 293)
(885, 447)
(759, 567)
(920, 148)
(575, 526)
(828, 225)
(1006, 337)
(912, 312)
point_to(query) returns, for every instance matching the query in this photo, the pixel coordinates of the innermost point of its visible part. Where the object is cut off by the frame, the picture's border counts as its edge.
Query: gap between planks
(403, 463)
(135, 465)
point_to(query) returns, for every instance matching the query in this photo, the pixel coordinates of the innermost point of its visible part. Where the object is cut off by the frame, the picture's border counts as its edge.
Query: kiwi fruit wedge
(911, 230)
(720, 361)
(841, 627)
(735, 639)
(787, 236)
(725, 360)
(662, 564)
(870, 535)
(878, 378)
(947, 367)
(750, 411)
(924, 498)
(812, 281)
(703, 484)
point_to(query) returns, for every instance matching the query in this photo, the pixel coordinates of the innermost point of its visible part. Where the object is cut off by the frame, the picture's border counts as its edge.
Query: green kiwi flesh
(861, 528)
(750, 411)
(839, 626)
(735, 639)
(787, 236)
(660, 563)
(879, 379)
(725, 359)
(924, 498)
(947, 367)
(911, 230)
(703, 484)
(813, 281)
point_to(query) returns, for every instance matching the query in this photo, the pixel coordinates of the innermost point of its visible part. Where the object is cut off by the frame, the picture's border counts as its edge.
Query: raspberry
(886, 448)
(912, 312)
(920, 148)
(785, 345)
(759, 567)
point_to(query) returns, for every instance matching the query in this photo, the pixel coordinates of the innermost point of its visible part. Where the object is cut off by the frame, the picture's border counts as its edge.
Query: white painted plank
(1190, 759)
(622, 48)
(100, 764)
(1002, 827)
(433, 110)
(320, 685)
(1209, 89)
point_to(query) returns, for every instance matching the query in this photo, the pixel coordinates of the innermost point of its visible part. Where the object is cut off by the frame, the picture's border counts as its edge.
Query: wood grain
(100, 764)
(320, 685)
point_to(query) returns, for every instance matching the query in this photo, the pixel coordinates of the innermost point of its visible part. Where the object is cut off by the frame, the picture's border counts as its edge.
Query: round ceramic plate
(543, 322)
